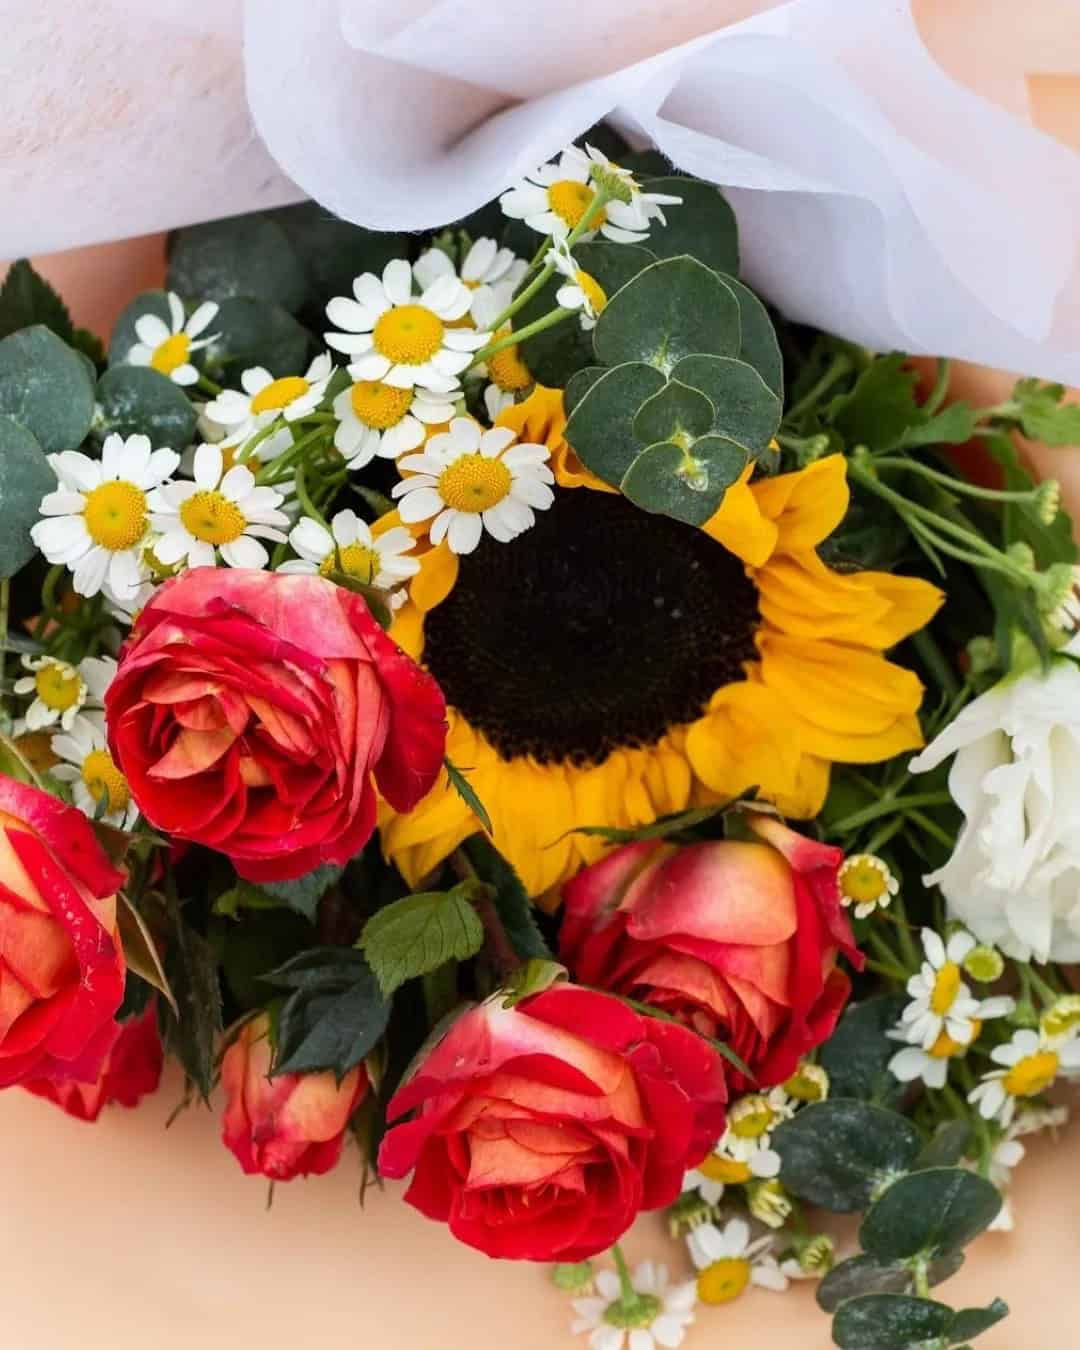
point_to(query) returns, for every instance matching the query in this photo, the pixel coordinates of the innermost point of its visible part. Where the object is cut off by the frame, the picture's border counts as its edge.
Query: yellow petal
(741, 525)
(807, 505)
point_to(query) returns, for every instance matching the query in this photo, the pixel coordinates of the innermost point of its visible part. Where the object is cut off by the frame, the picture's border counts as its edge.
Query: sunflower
(610, 666)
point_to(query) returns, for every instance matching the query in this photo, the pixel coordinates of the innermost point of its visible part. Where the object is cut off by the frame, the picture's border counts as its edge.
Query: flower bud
(1022, 554)
(817, 1255)
(984, 963)
(982, 655)
(1061, 1019)
(1048, 500)
(809, 1083)
(690, 1211)
(573, 1277)
(769, 1202)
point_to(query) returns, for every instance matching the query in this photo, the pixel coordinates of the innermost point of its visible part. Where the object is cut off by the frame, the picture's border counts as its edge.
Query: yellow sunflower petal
(436, 578)
(807, 505)
(741, 526)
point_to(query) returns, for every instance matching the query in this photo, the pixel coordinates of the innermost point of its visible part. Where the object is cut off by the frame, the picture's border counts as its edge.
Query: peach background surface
(120, 1236)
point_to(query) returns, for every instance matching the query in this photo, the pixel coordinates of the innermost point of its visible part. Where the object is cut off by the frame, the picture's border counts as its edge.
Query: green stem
(48, 599)
(9, 748)
(629, 1293)
(926, 645)
(887, 807)
(932, 829)
(957, 485)
(878, 841)
(208, 386)
(303, 497)
(889, 969)
(840, 366)
(519, 335)
(1034, 983)
(940, 389)
(922, 1279)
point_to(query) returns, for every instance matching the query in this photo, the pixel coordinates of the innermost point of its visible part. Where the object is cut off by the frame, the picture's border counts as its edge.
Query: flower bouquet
(509, 697)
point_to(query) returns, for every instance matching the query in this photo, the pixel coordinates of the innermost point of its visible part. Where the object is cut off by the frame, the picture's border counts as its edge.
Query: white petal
(397, 281)
(255, 379)
(176, 311)
(207, 466)
(420, 504)
(238, 483)
(151, 330)
(351, 315)
(245, 552)
(368, 365)
(184, 375)
(432, 264)
(89, 574)
(202, 317)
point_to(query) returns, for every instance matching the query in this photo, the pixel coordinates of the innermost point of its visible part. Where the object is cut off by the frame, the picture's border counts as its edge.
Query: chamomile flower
(94, 778)
(97, 519)
(811, 1260)
(721, 1169)
(491, 273)
(809, 1083)
(941, 1001)
(401, 340)
(222, 511)
(167, 347)
(866, 882)
(644, 207)
(1007, 1154)
(662, 1316)
(350, 546)
(261, 399)
(379, 419)
(727, 1261)
(468, 480)
(59, 693)
(929, 1065)
(1029, 1067)
(769, 1202)
(582, 291)
(750, 1124)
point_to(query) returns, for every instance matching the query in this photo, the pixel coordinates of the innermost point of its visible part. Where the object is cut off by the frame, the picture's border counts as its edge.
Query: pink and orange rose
(131, 1071)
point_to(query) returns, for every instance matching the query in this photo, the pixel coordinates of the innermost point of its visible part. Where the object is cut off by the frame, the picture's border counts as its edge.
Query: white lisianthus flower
(1014, 876)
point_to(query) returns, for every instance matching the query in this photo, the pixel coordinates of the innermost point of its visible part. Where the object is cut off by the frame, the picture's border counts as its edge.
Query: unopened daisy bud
(690, 1211)
(1022, 554)
(812, 449)
(1060, 1021)
(616, 186)
(817, 1255)
(1048, 500)
(984, 963)
(866, 882)
(982, 655)
(1056, 595)
(769, 1202)
(809, 1083)
(573, 1277)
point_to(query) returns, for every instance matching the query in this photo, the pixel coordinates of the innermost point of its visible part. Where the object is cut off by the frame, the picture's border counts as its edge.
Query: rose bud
(288, 1126)
(738, 940)
(251, 709)
(61, 965)
(131, 1071)
(542, 1130)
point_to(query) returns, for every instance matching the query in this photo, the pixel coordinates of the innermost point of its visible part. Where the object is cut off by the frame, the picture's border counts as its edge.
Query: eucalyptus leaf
(890, 1322)
(674, 412)
(253, 332)
(856, 1056)
(935, 1210)
(869, 1274)
(840, 1154)
(747, 410)
(136, 399)
(686, 485)
(579, 385)
(703, 225)
(25, 477)
(240, 255)
(758, 345)
(420, 933)
(947, 1147)
(968, 1323)
(45, 385)
(601, 427)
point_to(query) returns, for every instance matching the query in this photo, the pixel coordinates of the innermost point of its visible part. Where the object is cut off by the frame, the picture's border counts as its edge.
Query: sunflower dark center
(601, 627)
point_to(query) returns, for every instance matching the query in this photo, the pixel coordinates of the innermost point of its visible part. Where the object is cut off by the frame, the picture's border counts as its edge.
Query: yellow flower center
(1032, 1074)
(211, 517)
(507, 370)
(474, 483)
(752, 1118)
(1062, 1017)
(379, 405)
(946, 1048)
(723, 1280)
(355, 560)
(104, 781)
(59, 686)
(115, 515)
(408, 335)
(171, 353)
(809, 1084)
(570, 199)
(729, 1171)
(279, 394)
(863, 880)
(593, 291)
(946, 988)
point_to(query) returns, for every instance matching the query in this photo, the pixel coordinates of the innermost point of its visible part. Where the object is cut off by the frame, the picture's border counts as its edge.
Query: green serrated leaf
(867, 1274)
(889, 1322)
(467, 793)
(686, 485)
(747, 410)
(601, 427)
(670, 310)
(675, 413)
(1042, 414)
(856, 1056)
(840, 1154)
(334, 1013)
(191, 968)
(240, 256)
(532, 978)
(880, 408)
(26, 298)
(952, 426)
(252, 332)
(418, 934)
(703, 226)
(136, 399)
(25, 477)
(936, 1210)
(758, 345)
(244, 895)
(510, 898)
(44, 384)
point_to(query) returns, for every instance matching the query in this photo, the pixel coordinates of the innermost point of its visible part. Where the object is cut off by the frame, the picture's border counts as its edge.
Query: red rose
(738, 940)
(250, 710)
(61, 966)
(543, 1129)
(288, 1126)
(131, 1071)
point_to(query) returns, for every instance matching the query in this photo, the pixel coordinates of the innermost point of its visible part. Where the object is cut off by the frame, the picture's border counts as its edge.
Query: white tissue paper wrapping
(876, 197)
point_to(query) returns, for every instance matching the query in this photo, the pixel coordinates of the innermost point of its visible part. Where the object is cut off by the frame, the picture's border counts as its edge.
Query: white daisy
(350, 546)
(380, 419)
(59, 692)
(471, 480)
(1030, 1067)
(89, 768)
(941, 1001)
(666, 1311)
(403, 341)
(222, 511)
(126, 611)
(1007, 1154)
(582, 291)
(491, 273)
(750, 1124)
(866, 882)
(167, 347)
(929, 1066)
(727, 1261)
(555, 198)
(721, 1169)
(96, 521)
(261, 400)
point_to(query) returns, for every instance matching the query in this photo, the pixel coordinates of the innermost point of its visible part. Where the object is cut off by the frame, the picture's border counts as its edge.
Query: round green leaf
(332, 251)
(747, 410)
(124, 336)
(670, 310)
(935, 1210)
(856, 1056)
(703, 226)
(971, 1322)
(867, 1274)
(601, 427)
(889, 1322)
(579, 385)
(254, 333)
(687, 485)
(242, 255)
(947, 1147)
(839, 1154)
(758, 345)
(25, 477)
(138, 399)
(45, 385)
(675, 412)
